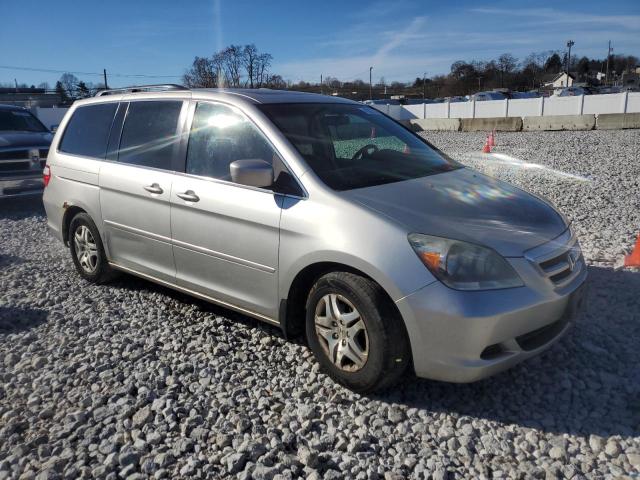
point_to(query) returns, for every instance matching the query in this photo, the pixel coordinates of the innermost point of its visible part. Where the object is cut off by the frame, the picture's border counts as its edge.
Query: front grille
(563, 266)
(17, 162)
(560, 260)
(15, 155)
(9, 167)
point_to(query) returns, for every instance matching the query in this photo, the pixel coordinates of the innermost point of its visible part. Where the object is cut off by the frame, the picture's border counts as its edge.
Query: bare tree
(533, 67)
(233, 60)
(218, 65)
(262, 68)
(233, 66)
(250, 59)
(275, 81)
(333, 83)
(507, 64)
(69, 82)
(202, 74)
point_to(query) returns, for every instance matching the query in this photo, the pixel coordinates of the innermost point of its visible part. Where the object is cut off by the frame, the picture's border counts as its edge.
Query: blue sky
(401, 39)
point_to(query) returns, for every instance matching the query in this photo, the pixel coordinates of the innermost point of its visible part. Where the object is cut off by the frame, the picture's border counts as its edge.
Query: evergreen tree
(83, 90)
(61, 92)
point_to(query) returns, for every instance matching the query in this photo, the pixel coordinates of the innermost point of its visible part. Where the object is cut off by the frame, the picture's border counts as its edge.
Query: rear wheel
(87, 251)
(355, 332)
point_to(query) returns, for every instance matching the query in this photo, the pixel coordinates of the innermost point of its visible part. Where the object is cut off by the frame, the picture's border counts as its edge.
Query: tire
(384, 338)
(84, 237)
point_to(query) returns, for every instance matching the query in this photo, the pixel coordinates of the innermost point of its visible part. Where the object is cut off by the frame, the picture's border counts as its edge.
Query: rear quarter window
(87, 133)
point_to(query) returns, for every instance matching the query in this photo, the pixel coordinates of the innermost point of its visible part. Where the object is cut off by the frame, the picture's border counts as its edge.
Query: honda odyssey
(320, 215)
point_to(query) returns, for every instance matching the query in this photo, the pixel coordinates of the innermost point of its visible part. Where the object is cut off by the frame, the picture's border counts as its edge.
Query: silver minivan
(322, 216)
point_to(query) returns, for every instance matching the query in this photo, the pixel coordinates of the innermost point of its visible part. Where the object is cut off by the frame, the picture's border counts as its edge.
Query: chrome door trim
(189, 246)
(239, 185)
(68, 179)
(202, 296)
(137, 231)
(223, 256)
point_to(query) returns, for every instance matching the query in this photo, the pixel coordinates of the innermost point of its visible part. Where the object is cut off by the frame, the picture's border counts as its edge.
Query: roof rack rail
(141, 88)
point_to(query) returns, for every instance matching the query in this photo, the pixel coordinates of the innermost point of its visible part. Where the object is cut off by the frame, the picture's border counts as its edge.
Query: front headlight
(462, 265)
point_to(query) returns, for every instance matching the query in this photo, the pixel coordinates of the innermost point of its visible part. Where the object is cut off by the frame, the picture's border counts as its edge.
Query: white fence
(627, 102)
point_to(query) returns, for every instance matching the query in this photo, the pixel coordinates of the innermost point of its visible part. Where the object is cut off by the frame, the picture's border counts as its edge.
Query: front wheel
(355, 332)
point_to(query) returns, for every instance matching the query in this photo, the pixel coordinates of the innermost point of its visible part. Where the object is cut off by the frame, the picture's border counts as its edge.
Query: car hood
(11, 139)
(466, 205)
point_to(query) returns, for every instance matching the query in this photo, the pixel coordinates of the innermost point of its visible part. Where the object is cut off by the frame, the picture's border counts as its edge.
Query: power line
(100, 74)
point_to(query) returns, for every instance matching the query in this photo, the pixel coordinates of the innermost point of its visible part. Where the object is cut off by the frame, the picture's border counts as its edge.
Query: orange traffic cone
(492, 138)
(633, 260)
(487, 147)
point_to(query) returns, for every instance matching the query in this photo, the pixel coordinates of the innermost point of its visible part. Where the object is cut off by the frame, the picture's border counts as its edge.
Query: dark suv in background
(24, 146)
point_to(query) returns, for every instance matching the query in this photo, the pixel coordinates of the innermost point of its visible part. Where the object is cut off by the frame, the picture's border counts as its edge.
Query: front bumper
(462, 336)
(23, 185)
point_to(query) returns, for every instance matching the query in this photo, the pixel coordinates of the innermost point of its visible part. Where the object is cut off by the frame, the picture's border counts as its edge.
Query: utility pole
(370, 84)
(570, 44)
(16, 82)
(424, 85)
(606, 76)
(479, 79)
(104, 72)
(321, 92)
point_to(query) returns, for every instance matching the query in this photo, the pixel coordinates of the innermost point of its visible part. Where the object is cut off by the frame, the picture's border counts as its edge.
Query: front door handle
(153, 188)
(189, 196)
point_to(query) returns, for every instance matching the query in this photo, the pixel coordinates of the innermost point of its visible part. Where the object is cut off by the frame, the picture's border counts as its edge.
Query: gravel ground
(132, 380)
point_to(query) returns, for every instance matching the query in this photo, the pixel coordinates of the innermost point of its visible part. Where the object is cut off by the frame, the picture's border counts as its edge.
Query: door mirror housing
(252, 172)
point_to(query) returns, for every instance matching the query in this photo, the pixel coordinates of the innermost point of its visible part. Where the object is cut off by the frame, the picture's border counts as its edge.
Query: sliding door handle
(153, 188)
(189, 196)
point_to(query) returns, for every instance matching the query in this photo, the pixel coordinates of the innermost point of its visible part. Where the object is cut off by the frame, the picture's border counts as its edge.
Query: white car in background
(572, 92)
(485, 96)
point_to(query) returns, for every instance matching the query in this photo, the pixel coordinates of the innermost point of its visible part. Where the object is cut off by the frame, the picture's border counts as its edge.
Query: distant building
(630, 81)
(560, 80)
(29, 97)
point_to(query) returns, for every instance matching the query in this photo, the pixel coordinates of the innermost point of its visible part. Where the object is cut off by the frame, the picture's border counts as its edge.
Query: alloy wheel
(341, 332)
(86, 249)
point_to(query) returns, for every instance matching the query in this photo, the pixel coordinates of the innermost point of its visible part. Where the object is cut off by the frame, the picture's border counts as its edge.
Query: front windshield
(20, 121)
(353, 146)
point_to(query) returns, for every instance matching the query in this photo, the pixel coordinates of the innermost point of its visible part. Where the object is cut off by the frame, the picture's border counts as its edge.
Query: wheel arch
(70, 212)
(75, 205)
(292, 307)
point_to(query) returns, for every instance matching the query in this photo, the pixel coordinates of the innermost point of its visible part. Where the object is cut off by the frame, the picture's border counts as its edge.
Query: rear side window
(87, 132)
(150, 134)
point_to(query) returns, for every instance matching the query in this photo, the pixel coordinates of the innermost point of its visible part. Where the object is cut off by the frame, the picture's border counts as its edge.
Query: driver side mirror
(252, 172)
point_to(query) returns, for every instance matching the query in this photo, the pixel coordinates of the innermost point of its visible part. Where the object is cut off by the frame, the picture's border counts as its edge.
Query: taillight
(46, 175)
